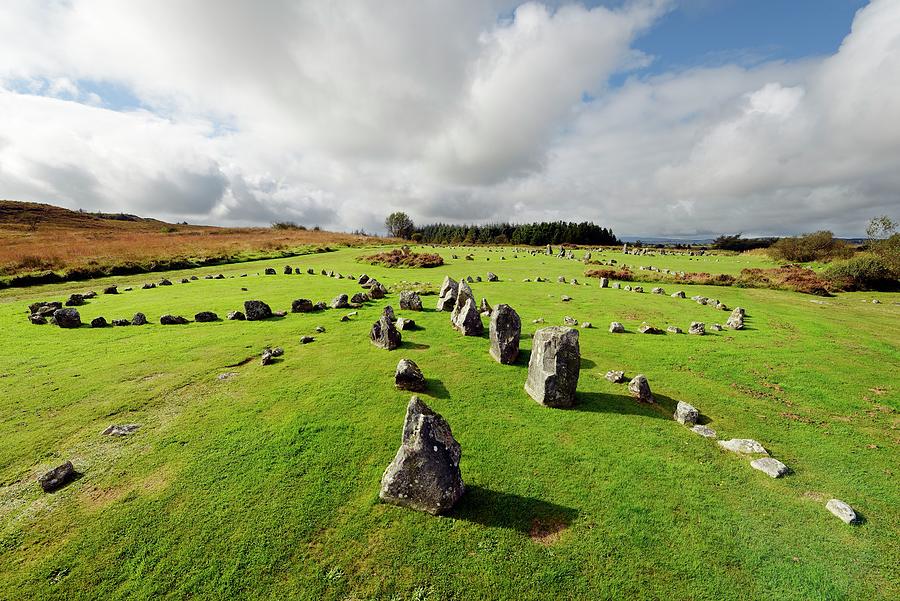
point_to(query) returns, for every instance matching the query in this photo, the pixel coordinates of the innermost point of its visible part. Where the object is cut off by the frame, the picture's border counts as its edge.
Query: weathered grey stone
(492, 277)
(638, 289)
(639, 388)
(679, 294)
(288, 270)
(674, 330)
(271, 271)
(121, 322)
(306, 339)
(148, 286)
(363, 279)
(384, 334)
(698, 328)
(715, 327)
(485, 307)
(38, 320)
(236, 315)
(736, 320)
(424, 474)
(408, 376)
(770, 467)
(320, 306)
(388, 312)
(267, 357)
(554, 367)
(341, 301)
(256, 310)
(205, 317)
(468, 320)
(99, 322)
(185, 281)
(704, 431)
(404, 323)
(617, 286)
(410, 301)
(616, 328)
(658, 290)
(171, 320)
(604, 282)
(744, 446)
(360, 298)
(320, 329)
(616, 377)
(120, 429)
(67, 318)
(586, 325)
(570, 321)
(111, 290)
(647, 328)
(686, 414)
(843, 511)
(165, 282)
(138, 319)
(75, 300)
(301, 305)
(377, 289)
(463, 294)
(505, 331)
(58, 477)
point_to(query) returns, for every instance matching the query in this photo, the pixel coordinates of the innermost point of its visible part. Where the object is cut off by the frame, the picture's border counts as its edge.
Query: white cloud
(337, 113)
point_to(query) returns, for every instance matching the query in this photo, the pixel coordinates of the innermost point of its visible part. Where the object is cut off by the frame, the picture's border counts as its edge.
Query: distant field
(35, 238)
(264, 485)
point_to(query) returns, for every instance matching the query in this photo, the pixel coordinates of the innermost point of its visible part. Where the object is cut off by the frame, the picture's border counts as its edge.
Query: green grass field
(265, 485)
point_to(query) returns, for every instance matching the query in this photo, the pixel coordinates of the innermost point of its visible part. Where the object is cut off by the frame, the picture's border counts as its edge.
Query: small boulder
(410, 301)
(770, 466)
(843, 511)
(256, 310)
(639, 388)
(288, 270)
(679, 294)
(704, 431)
(674, 330)
(361, 297)
(271, 271)
(570, 321)
(138, 319)
(121, 322)
(67, 318)
(616, 328)
(236, 315)
(646, 328)
(99, 322)
(58, 477)
(120, 430)
(165, 282)
(341, 301)
(171, 320)
(301, 305)
(686, 414)
(408, 376)
(306, 339)
(492, 277)
(698, 328)
(468, 320)
(111, 290)
(616, 377)
(404, 323)
(205, 317)
(743, 446)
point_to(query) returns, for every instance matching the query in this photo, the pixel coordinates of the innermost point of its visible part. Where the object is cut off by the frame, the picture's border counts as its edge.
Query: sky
(670, 118)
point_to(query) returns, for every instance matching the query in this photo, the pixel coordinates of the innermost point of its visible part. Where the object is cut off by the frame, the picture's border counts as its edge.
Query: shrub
(398, 258)
(787, 277)
(863, 272)
(287, 225)
(818, 246)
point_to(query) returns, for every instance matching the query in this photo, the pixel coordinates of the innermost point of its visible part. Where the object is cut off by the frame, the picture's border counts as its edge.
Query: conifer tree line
(534, 234)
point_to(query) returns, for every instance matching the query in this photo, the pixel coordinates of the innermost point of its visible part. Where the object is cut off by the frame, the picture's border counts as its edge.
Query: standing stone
(842, 511)
(111, 290)
(236, 315)
(770, 467)
(616, 328)
(301, 305)
(138, 319)
(377, 289)
(468, 320)
(698, 328)
(639, 388)
(505, 332)
(363, 279)
(485, 307)
(686, 414)
(256, 310)
(361, 297)
(404, 323)
(410, 301)
(388, 312)
(604, 282)
(270, 271)
(384, 334)
(408, 376)
(288, 270)
(554, 366)
(492, 277)
(463, 294)
(67, 318)
(424, 474)
(736, 320)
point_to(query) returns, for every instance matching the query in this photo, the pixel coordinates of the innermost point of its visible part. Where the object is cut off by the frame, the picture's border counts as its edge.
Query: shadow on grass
(587, 363)
(600, 402)
(504, 510)
(416, 346)
(436, 388)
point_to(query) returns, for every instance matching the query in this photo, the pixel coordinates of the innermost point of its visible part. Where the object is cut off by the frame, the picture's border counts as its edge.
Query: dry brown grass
(399, 258)
(36, 237)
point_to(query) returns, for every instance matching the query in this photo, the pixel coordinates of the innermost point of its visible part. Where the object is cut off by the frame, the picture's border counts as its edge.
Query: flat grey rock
(704, 431)
(843, 511)
(745, 446)
(120, 429)
(770, 466)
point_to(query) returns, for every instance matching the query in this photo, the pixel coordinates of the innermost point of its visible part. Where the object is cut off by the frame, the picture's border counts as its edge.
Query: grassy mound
(400, 258)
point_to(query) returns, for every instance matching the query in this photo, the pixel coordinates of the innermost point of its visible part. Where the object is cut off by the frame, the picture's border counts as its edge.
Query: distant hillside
(42, 243)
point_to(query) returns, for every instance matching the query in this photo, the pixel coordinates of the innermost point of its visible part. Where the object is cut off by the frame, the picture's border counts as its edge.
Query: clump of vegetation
(786, 277)
(862, 272)
(884, 243)
(403, 258)
(287, 225)
(818, 246)
(738, 244)
(535, 234)
(399, 225)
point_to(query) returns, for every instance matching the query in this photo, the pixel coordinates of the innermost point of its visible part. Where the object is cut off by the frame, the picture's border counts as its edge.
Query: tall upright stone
(384, 334)
(468, 320)
(424, 474)
(554, 366)
(447, 294)
(463, 294)
(257, 310)
(505, 332)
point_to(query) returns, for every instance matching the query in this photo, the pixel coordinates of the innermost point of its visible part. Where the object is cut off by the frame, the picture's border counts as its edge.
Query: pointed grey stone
(554, 366)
